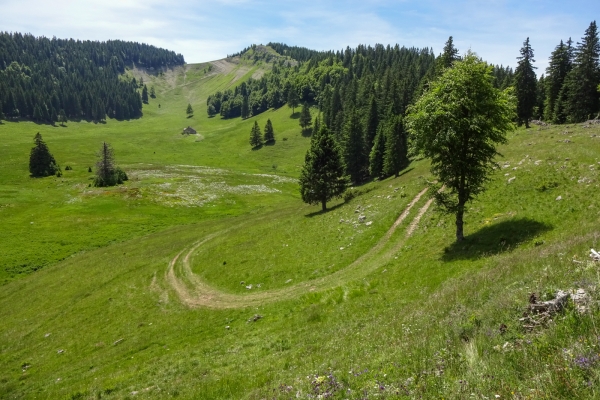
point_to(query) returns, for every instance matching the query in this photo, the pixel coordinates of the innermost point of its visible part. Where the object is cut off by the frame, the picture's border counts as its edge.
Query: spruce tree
(107, 173)
(395, 157)
(357, 164)
(189, 111)
(145, 95)
(582, 99)
(558, 67)
(41, 162)
(269, 132)
(317, 124)
(525, 84)
(152, 92)
(255, 136)
(305, 117)
(377, 153)
(322, 177)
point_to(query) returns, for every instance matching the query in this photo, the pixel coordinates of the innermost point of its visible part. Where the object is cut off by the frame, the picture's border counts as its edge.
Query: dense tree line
(47, 80)
(569, 90)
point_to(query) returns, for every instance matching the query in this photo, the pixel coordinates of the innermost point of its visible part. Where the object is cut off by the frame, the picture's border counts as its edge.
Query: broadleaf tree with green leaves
(457, 124)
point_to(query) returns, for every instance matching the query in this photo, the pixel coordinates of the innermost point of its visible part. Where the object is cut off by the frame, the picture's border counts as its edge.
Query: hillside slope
(205, 276)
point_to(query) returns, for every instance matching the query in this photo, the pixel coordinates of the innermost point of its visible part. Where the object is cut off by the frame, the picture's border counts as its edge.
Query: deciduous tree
(457, 124)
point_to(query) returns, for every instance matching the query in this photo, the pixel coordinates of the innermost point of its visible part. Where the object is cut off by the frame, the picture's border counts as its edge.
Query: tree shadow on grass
(320, 212)
(295, 115)
(270, 143)
(255, 148)
(495, 239)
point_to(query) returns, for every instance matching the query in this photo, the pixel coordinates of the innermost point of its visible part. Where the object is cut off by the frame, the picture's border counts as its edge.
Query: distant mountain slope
(39, 77)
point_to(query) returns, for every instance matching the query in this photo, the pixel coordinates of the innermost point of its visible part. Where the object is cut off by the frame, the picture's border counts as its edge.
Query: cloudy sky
(209, 30)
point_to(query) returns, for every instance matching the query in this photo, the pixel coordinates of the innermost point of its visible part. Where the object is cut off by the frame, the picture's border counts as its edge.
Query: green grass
(418, 318)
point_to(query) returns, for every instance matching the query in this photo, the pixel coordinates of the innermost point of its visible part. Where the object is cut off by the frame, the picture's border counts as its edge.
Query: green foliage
(211, 110)
(189, 110)
(41, 162)
(107, 174)
(449, 55)
(145, 95)
(558, 67)
(355, 159)
(293, 100)
(395, 157)
(40, 76)
(269, 132)
(376, 157)
(152, 92)
(457, 124)
(256, 139)
(525, 84)
(305, 119)
(582, 100)
(322, 176)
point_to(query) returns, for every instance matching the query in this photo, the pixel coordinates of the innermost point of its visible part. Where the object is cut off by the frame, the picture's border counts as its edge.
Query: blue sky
(209, 30)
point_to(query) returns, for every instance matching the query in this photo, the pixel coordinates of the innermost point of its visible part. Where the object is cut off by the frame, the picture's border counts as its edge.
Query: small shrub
(284, 139)
(68, 168)
(89, 169)
(546, 185)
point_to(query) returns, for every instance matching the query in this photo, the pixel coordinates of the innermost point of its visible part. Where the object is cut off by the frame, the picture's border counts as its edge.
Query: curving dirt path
(193, 292)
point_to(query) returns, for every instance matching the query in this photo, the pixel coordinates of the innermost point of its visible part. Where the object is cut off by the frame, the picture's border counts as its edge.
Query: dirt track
(193, 292)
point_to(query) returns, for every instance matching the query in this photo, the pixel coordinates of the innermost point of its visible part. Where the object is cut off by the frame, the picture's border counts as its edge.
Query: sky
(210, 30)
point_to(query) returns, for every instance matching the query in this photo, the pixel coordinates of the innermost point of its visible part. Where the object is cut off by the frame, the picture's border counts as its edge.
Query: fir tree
(317, 124)
(322, 177)
(62, 117)
(255, 136)
(305, 117)
(525, 84)
(189, 111)
(145, 95)
(41, 162)
(580, 84)
(211, 110)
(269, 132)
(152, 92)
(377, 153)
(395, 157)
(357, 164)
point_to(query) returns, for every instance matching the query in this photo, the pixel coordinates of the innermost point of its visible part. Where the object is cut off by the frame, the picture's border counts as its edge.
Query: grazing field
(205, 276)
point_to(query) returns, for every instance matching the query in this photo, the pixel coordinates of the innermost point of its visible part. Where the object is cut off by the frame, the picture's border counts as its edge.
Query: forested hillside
(48, 80)
(360, 94)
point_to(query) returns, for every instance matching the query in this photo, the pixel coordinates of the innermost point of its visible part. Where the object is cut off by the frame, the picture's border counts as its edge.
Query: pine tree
(152, 92)
(305, 117)
(377, 153)
(357, 164)
(525, 84)
(41, 162)
(189, 111)
(211, 110)
(145, 95)
(322, 177)
(395, 157)
(582, 99)
(269, 132)
(317, 124)
(293, 100)
(255, 136)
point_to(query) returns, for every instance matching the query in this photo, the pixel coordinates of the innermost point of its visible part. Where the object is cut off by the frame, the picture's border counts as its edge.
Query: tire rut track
(194, 293)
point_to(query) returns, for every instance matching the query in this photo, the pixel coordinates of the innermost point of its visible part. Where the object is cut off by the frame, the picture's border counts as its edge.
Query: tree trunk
(324, 205)
(527, 123)
(459, 223)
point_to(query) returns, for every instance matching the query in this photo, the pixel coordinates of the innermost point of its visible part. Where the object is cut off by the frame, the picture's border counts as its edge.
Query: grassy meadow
(205, 276)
